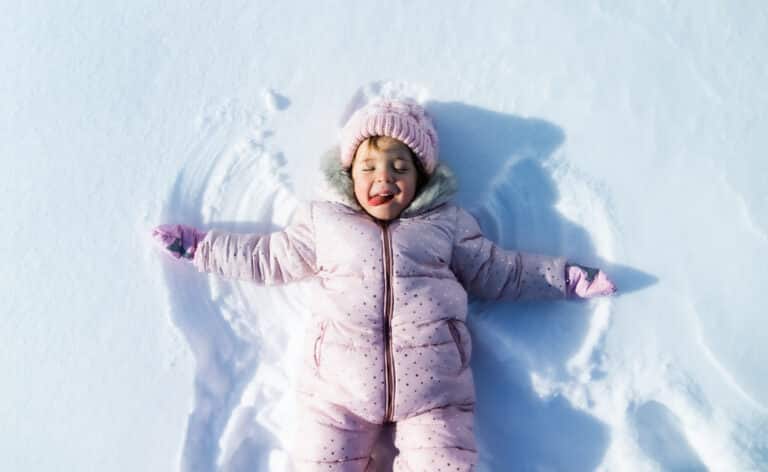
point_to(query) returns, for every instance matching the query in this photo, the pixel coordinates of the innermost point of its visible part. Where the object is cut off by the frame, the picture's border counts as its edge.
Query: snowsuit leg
(438, 439)
(330, 438)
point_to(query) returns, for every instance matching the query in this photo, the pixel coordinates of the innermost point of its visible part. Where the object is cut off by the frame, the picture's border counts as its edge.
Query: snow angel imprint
(397, 259)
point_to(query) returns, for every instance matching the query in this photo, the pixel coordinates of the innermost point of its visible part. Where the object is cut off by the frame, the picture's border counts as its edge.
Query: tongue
(378, 199)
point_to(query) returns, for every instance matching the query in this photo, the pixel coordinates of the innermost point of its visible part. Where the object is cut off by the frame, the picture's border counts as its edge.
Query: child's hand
(586, 282)
(178, 240)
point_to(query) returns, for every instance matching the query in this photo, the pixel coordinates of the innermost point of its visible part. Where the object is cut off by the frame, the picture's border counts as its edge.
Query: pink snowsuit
(388, 341)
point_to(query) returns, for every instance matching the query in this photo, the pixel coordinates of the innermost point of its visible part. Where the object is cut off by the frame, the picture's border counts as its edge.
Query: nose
(384, 175)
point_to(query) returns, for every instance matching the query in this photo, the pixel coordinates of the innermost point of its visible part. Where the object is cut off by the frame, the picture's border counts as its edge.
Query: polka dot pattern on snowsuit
(388, 340)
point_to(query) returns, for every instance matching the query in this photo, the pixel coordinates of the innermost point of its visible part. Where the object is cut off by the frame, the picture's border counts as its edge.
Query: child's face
(385, 178)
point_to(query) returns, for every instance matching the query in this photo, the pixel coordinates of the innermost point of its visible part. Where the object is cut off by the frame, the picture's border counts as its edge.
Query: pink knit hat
(402, 119)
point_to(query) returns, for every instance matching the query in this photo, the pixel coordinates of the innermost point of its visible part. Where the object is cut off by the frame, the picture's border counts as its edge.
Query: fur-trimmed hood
(440, 187)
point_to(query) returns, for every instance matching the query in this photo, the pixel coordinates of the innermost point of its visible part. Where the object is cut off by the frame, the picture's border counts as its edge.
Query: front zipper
(389, 364)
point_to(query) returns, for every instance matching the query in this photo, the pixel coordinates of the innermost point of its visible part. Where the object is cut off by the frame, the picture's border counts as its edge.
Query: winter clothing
(587, 282)
(388, 340)
(404, 120)
(178, 240)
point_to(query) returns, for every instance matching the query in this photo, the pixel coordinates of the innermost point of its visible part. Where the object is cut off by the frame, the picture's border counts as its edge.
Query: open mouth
(380, 199)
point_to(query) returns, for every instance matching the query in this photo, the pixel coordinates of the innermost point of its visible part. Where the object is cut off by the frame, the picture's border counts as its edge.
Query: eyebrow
(396, 158)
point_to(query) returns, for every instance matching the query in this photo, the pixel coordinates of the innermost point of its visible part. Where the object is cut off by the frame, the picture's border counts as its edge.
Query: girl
(396, 260)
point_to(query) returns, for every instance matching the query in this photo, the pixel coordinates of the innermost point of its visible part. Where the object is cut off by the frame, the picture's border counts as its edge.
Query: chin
(384, 213)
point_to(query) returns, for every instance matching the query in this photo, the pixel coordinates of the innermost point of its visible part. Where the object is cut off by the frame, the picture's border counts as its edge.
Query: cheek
(361, 189)
(409, 188)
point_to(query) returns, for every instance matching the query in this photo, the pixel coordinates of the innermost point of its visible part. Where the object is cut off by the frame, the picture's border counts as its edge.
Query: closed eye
(398, 170)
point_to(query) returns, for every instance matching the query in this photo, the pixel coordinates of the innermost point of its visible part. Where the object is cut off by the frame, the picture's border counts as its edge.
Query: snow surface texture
(625, 137)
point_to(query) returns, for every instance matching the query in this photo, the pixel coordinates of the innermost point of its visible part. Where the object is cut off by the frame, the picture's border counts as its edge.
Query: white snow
(625, 136)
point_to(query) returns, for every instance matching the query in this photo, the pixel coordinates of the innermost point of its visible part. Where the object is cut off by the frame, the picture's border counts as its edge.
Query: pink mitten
(586, 282)
(178, 240)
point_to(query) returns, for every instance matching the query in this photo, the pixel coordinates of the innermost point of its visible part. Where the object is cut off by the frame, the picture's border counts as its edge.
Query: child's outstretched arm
(490, 272)
(269, 259)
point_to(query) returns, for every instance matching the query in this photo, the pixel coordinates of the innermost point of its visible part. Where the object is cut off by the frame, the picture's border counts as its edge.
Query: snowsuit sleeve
(490, 272)
(268, 259)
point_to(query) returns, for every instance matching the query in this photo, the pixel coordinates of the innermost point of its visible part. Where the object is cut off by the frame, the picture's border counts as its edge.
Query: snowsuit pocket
(318, 347)
(457, 341)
